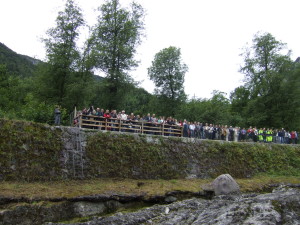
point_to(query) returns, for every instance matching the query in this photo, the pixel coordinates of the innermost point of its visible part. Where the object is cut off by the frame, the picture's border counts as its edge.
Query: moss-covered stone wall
(131, 156)
(29, 151)
(35, 152)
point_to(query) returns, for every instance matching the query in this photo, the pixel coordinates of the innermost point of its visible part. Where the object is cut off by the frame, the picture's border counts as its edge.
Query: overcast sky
(210, 34)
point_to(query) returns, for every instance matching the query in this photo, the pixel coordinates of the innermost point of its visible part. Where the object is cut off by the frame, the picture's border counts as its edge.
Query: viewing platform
(141, 127)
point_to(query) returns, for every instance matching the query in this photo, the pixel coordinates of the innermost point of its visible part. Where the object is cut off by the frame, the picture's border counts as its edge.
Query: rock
(170, 199)
(88, 208)
(225, 184)
(279, 207)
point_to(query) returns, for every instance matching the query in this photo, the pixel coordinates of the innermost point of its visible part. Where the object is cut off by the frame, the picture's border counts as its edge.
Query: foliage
(130, 157)
(291, 108)
(265, 100)
(265, 65)
(63, 55)
(30, 89)
(29, 151)
(126, 159)
(168, 71)
(114, 41)
(12, 93)
(41, 112)
(16, 64)
(214, 110)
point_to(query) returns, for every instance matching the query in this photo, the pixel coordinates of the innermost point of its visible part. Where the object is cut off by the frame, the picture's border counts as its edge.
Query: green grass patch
(149, 188)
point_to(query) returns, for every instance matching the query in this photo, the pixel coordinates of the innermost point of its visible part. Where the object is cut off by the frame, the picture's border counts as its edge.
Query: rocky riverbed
(282, 206)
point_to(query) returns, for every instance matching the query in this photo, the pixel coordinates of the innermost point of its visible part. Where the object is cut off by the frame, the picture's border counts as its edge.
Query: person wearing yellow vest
(269, 135)
(260, 135)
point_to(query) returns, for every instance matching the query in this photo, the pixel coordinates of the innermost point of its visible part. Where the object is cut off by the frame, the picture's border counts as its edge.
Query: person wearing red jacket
(107, 118)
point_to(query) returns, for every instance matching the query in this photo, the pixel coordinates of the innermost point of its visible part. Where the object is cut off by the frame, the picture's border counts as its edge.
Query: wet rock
(279, 207)
(27, 214)
(170, 199)
(225, 184)
(88, 208)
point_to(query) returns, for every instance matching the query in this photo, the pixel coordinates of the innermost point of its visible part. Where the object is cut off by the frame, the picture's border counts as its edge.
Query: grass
(75, 188)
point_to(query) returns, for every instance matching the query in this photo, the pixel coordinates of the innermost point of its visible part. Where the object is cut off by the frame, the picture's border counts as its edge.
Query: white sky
(211, 34)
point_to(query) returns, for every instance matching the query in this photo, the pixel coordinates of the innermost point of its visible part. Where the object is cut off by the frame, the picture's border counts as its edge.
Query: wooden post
(80, 120)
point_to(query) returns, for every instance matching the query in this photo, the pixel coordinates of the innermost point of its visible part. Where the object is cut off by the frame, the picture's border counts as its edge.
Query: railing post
(80, 121)
(163, 129)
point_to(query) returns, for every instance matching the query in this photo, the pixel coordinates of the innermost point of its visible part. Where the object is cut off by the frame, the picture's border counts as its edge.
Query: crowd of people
(196, 129)
(132, 122)
(220, 132)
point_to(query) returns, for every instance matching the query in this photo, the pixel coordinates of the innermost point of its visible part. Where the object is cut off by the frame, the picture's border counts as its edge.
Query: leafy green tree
(12, 93)
(291, 90)
(265, 65)
(239, 99)
(265, 68)
(168, 72)
(42, 112)
(114, 41)
(215, 110)
(4, 85)
(62, 53)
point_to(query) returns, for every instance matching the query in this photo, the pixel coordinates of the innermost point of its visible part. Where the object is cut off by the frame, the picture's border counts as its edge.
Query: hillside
(22, 65)
(17, 64)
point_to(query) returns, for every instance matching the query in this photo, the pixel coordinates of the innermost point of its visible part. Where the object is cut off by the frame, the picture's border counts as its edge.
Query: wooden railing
(142, 127)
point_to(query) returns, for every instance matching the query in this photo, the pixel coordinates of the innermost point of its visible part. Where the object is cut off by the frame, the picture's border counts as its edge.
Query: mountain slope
(17, 64)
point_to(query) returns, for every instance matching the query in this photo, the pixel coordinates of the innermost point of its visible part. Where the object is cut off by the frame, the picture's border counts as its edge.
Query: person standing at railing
(147, 124)
(223, 133)
(91, 110)
(160, 123)
(154, 124)
(113, 116)
(197, 130)
(123, 118)
(131, 121)
(99, 112)
(107, 119)
(231, 133)
(57, 116)
(192, 130)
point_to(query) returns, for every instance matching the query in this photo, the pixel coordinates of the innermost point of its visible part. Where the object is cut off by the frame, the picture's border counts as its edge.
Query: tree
(265, 65)
(266, 68)
(12, 93)
(114, 41)
(62, 53)
(239, 99)
(168, 72)
(291, 89)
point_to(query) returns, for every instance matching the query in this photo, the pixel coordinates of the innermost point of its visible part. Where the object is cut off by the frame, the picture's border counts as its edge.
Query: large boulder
(224, 185)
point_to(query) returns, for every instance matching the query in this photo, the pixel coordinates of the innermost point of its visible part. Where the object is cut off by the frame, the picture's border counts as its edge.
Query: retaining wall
(34, 152)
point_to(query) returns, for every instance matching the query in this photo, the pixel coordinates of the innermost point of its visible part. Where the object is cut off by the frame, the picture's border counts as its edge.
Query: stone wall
(31, 151)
